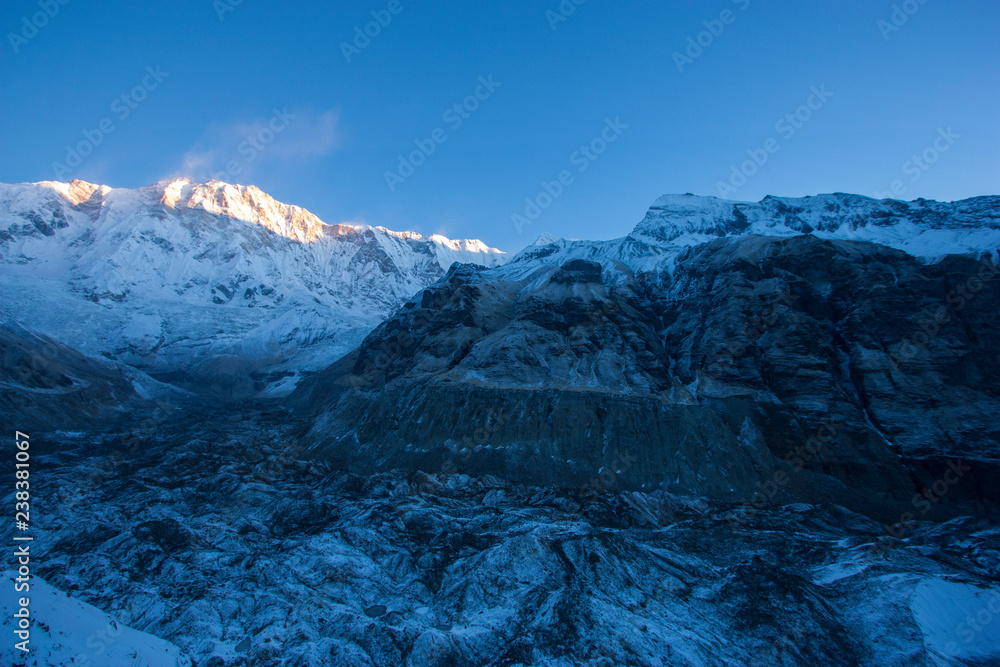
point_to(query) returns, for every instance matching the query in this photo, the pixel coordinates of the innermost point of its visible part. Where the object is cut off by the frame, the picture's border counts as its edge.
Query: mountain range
(744, 433)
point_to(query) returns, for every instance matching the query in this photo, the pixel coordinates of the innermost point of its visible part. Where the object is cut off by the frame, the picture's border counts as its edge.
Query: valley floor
(218, 535)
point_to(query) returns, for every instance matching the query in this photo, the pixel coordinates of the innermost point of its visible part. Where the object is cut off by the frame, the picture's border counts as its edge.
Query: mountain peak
(546, 238)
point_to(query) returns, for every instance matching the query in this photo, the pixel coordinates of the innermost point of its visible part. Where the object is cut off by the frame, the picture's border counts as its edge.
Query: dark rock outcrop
(797, 366)
(45, 385)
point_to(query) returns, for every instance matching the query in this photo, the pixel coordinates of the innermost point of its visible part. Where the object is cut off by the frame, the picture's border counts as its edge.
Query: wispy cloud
(236, 151)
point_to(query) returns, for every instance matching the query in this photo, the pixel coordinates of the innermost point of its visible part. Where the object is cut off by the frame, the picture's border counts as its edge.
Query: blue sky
(265, 94)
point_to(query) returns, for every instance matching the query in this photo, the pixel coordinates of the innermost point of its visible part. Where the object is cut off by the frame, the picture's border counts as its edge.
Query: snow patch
(67, 631)
(958, 621)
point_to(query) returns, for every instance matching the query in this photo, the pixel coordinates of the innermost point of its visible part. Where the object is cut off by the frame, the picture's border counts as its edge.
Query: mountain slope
(711, 374)
(67, 631)
(180, 278)
(45, 385)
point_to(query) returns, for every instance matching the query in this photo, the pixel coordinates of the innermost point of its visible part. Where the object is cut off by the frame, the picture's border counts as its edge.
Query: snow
(546, 239)
(839, 571)
(177, 271)
(959, 621)
(925, 229)
(921, 228)
(67, 631)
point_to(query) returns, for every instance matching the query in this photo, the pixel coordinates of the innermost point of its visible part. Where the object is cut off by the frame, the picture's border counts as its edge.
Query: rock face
(168, 277)
(711, 380)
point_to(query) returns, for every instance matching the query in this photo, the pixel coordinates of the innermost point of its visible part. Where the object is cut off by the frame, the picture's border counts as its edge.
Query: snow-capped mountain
(181, 276)
(925, 229)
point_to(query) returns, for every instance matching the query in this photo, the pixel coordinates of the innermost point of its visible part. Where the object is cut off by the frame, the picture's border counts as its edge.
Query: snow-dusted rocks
(218, 536)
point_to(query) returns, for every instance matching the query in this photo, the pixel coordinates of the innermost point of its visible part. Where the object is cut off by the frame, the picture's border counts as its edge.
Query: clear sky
(266, 93)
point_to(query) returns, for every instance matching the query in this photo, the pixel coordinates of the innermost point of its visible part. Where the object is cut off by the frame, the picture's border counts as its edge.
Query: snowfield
(67, 631)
